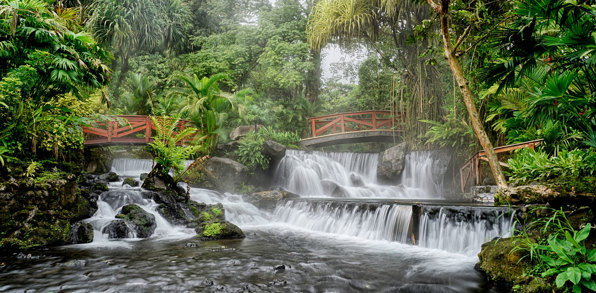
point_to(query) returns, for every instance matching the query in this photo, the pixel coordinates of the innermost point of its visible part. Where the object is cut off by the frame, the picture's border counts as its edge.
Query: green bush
(528, 165)
(250, 150)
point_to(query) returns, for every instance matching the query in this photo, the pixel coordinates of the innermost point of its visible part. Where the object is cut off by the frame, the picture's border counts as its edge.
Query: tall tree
(442, 9)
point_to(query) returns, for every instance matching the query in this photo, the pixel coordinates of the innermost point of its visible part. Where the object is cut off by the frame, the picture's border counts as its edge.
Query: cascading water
(351, 175)
(462, 229)
(372, 222)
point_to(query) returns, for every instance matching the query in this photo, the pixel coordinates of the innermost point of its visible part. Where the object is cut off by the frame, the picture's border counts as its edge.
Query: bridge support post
(148, 124)
(110, 126)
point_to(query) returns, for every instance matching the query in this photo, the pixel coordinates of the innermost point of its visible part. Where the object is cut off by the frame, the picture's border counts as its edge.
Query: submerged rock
(392, 162)
(110, 177)
(142, 221)
(81, 232)
(118, 229)
(268, 199)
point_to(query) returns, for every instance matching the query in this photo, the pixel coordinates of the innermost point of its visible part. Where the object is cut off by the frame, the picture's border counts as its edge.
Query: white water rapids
(327, 175)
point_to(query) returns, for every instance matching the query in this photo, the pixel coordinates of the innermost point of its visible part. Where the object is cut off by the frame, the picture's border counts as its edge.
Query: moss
(216, 211)
(212, 230)
(205, 217)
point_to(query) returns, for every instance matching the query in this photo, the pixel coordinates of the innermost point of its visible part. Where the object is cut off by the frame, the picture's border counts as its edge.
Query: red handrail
(474, 166)
(138, 129)
(354, 121)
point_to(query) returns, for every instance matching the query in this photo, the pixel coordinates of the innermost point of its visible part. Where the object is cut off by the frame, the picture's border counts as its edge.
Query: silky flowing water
(361, 241)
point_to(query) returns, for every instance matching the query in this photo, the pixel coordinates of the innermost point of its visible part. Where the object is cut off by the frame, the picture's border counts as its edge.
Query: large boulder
(269, 199)
(392, 162)
(240, 132)
(555, 195)
(225, 174)
(274, 150)
(81, 232)
(142, 222)
(118, 229)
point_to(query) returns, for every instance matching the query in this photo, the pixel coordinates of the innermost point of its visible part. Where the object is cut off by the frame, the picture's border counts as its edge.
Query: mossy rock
(503, 266)
(142, 221)
(131, 182)
(217, 230)
(555, 195)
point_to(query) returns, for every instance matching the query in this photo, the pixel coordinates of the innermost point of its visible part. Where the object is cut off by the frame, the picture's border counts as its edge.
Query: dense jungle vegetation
(528, 67)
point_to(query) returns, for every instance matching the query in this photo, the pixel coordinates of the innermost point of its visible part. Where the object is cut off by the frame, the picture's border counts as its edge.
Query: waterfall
(371, 222)
(423, 170)
(134, 167)
(110, 204)
(353, 175)
(462, 229)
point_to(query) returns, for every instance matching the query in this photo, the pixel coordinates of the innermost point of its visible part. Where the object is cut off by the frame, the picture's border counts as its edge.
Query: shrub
(250, 150)
(528, 165)
(560, 253)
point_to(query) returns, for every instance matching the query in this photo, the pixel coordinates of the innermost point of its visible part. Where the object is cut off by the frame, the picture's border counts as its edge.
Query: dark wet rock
(142, 222)
(131, 182)
(280, 268)
(191, 245)
(97, 160)
(81, 232)
(274, 150)
(118, 229)
(100, 186)
(110, 177)
(224, 174)
(392, 162)
(268, 199)
(160, 181)
(144, 176)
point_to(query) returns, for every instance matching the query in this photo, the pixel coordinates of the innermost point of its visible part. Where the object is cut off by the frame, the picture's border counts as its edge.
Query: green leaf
(550, 272)
(583, 233)
(561, 279)
(592, 255)
(589, 284)
(574, 274)
(577, 289)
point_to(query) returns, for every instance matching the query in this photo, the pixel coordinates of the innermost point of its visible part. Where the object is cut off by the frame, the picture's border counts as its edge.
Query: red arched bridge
(125, 129)
(366, 126)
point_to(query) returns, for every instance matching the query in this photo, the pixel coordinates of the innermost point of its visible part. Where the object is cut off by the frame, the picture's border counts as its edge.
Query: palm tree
(139, 96)
(204, 104)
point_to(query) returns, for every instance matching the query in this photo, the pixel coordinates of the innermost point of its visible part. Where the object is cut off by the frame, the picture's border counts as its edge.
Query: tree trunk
(468, 97)
(313, 80)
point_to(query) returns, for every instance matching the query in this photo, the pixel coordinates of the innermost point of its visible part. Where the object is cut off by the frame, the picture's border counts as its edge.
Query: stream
(347, 232)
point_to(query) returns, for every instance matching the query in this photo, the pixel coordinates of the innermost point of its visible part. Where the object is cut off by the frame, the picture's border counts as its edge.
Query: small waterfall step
(457, 227)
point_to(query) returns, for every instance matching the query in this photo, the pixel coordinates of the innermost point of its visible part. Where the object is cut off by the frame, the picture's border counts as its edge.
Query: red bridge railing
(125, 129)
(353, 122)
(474, 167)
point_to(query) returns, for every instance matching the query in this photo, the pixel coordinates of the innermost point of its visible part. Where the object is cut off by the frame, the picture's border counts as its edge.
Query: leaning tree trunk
(468, 97)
